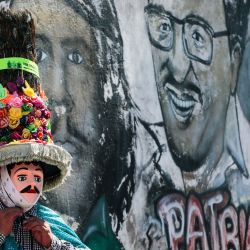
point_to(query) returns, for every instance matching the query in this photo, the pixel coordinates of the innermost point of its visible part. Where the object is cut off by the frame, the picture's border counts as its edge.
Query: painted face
(28, 180)
(193, 73)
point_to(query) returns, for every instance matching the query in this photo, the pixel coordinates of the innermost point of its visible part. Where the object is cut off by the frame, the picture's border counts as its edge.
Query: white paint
(5, 4)
(102, 139)
(60, 110)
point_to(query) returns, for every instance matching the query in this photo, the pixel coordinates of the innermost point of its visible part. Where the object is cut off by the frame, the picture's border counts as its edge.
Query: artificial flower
(43, 96)
(32, 128)
(16, 102)
(13, 123)
(27, 108)
(15, 113)
(46, 113)
(40, 135)
(38, 103)
(38, 113)
(16, 136)
(4, 122)
(26, 134)
(31, 119)
(3, 113)
(28, 91)
(3, 92)
(37, 122)
(43, 122)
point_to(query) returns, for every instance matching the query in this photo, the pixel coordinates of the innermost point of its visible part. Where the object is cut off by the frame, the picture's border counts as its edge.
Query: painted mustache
(29, 190)
(186, 89)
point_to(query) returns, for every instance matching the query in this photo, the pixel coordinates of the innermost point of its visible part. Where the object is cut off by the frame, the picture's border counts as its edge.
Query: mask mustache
(28, 188)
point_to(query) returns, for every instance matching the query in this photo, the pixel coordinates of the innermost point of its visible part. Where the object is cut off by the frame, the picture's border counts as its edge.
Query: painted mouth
(182, 103)
(32, 191)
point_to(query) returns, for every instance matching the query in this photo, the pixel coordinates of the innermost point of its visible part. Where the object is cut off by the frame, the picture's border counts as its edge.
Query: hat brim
(50, 154)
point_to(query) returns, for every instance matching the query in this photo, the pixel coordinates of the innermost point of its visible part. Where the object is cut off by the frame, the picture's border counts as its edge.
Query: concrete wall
(152, 100)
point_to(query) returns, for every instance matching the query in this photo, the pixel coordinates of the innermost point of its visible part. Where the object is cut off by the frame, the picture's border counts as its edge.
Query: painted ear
(235, 65)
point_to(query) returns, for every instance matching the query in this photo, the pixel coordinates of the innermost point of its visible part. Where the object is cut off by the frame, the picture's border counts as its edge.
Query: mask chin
(25, 204)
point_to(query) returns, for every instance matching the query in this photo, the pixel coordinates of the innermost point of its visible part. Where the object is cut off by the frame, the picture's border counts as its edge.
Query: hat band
(19, 63)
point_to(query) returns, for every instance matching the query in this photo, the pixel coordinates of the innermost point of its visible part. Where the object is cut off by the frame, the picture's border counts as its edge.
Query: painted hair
(236, 12)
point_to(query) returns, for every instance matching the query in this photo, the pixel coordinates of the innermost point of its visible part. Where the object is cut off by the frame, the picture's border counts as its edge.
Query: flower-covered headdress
(25, 129)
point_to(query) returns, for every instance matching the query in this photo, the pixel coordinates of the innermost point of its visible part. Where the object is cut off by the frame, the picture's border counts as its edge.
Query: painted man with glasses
(196, 54)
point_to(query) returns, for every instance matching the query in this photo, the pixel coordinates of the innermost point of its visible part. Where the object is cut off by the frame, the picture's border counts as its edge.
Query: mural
(156, 118)
(192, 193)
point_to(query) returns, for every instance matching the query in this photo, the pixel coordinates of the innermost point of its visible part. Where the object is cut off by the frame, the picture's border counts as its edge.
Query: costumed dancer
(29, 161)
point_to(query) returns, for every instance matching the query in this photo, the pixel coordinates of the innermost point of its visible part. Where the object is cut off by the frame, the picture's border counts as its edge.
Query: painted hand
(40, 230)
(7, 217)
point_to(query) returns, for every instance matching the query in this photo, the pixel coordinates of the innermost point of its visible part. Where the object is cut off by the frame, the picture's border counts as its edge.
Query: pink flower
(16, 136)
(16, 102)
(38, 103)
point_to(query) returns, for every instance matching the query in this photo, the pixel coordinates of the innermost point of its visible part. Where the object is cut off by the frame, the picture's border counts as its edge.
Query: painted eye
(198, 39)
(37, 179)
(22, 178)
(41, 55)
(75, 57)
(165, 27)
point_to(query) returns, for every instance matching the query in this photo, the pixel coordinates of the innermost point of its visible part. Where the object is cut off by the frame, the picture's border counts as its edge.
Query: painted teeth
(187, 104)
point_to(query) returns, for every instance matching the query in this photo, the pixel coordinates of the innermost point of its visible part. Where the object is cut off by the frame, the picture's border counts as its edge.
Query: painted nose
(33, 184)
(178, 62)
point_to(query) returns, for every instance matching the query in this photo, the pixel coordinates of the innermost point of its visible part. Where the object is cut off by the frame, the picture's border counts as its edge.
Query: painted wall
(152, 100)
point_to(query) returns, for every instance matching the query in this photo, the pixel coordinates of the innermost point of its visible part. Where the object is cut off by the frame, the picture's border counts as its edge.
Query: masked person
(29, 161)
(24, 224)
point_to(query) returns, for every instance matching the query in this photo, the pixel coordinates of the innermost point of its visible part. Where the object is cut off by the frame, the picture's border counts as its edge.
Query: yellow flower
(15, 113)
(37, 123)
(28, 91)
(26, 133)
(14, 123)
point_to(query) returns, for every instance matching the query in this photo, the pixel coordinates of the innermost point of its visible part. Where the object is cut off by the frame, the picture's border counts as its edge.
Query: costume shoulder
(58, 227)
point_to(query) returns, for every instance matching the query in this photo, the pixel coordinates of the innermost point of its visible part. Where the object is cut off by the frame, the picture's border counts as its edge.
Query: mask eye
(75, 57)
(37, 179)
(41, 55)
(22, 178)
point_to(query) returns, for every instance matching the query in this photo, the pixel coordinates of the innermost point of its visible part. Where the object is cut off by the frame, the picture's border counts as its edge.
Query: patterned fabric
(62, 231)
(21, 236)
(2, 239)
(21, 239)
